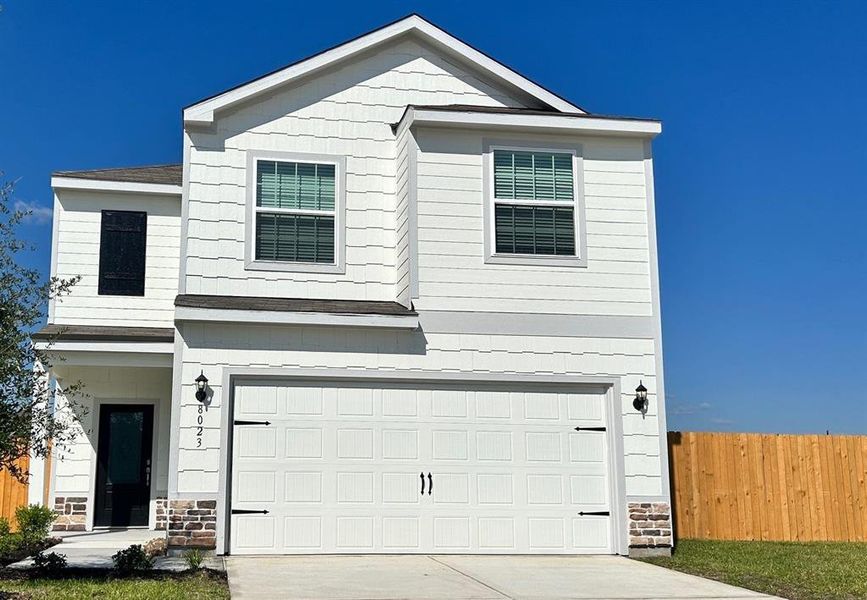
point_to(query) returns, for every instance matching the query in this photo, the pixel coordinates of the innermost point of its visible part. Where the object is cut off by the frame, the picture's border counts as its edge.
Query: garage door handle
(429, 484)
(241, 511)
(252, 422)
(589, 429)
(422, 483)
(597, 513)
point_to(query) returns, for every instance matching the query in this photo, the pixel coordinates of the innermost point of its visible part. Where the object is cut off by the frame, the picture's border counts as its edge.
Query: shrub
(50, 564)
(4, 527)
(194, 558)
(132, 559)
(34, 522)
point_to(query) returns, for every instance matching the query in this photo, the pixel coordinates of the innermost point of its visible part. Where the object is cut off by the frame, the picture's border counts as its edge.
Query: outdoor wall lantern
(201, 387)
(640, 402)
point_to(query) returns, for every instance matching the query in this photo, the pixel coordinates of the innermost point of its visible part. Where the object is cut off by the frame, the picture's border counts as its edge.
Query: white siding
(74, 466)
(78, 217)
(210, 348)
(346, 111)
(451, 231)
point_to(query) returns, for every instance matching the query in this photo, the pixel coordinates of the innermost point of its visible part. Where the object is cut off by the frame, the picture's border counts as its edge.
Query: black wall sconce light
(201, 387)
(640, 402)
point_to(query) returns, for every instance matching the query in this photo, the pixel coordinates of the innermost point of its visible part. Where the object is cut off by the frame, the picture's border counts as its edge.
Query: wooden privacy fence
(13, 493)
(744, 486)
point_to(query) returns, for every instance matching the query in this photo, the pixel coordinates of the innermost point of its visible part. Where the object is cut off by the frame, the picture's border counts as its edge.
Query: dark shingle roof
(102, 333)
(165, 174)
(510, 110)
(345, 307)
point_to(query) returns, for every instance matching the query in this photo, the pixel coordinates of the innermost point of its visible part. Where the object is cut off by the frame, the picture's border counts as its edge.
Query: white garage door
(365, 468)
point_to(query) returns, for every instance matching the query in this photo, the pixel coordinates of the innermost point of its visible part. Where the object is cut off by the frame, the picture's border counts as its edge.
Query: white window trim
(339, 162)
(491, 256)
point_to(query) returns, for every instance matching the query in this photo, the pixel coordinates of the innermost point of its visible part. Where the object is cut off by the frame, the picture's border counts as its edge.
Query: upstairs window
(295, 212)
(122, 245)
(534, 203)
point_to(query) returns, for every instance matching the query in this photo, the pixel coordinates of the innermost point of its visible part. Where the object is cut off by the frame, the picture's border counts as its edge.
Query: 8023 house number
(200, 429)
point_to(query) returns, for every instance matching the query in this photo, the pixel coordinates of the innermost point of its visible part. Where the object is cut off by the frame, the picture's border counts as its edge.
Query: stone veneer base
(650, 531)
(71, 513)
(192, 524)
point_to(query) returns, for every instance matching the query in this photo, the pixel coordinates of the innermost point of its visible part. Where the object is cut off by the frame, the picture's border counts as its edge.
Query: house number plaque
(200, 419)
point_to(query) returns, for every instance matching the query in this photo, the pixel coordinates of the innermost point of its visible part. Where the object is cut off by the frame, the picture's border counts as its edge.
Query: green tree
(27, 422)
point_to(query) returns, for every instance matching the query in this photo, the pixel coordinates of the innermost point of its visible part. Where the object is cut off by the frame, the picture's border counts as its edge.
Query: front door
(123, 472)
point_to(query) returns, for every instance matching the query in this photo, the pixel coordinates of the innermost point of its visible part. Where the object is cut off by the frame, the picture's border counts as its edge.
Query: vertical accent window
(534, 203)
(122, 245)
(295, 212)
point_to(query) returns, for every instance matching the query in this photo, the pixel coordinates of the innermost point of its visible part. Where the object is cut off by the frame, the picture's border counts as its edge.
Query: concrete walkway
(94, 549)
(466, 578)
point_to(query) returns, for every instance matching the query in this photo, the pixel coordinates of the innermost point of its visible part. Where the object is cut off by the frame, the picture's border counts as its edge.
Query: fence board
(769, 487)
(12, 493)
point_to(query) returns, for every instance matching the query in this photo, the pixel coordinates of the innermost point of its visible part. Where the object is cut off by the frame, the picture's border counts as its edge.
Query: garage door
(363, 468)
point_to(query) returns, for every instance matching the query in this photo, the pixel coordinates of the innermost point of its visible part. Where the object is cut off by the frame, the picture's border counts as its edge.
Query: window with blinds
(295, 212)
(534, 203)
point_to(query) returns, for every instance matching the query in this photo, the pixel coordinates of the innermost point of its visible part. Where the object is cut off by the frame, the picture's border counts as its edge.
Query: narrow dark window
(122, 242)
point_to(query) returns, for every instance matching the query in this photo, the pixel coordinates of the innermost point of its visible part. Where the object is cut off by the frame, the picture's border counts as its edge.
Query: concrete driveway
(465, 578)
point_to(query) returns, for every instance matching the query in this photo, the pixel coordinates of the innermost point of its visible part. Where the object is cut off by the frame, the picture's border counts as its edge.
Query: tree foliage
(27, 423)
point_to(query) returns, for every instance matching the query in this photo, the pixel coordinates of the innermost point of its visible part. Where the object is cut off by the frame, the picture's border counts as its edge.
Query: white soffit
(202, 113)
(100, 185)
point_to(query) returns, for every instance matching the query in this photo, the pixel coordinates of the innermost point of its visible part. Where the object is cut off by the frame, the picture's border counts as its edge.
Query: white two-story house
(398, 298)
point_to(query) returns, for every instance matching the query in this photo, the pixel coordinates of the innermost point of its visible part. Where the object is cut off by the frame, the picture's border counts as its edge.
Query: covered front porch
(114, 474)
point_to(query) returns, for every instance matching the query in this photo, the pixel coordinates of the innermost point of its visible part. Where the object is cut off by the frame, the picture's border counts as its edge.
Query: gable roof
(202, 112)
(161, 174)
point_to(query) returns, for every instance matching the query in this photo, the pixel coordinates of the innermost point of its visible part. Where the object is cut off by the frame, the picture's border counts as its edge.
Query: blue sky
(760, 170)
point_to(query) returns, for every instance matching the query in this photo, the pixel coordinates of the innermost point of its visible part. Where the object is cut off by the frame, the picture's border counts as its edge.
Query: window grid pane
(291, 185)
(523, 175)
(539, 230)
(294, 238)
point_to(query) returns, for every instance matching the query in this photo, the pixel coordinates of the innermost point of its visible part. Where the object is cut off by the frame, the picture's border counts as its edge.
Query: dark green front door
(123, 472)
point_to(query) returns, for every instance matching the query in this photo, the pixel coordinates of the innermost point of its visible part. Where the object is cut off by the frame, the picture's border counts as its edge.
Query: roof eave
(202, 113)
(554, 123)
(103, 185)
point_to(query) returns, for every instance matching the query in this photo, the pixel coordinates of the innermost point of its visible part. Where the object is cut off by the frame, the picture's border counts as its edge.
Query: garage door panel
(257, 444)
(589, 491)
(401, 488)
(355, 443)
(401, 533)
(591, 534)
(302, 487)
(339, 470)
(587, 447)
(302, 533)
(400, 444)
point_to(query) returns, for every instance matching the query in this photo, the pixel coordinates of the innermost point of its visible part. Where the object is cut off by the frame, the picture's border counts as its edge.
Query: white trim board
(268, 317)
(202, 113)
(554, 123)
(99, 185)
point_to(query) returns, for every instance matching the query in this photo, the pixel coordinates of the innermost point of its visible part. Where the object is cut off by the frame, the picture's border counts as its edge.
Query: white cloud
(686, 408)
(37, 214)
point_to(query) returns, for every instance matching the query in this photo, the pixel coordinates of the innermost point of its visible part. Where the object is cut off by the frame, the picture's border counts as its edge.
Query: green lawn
(150, 587)
(799, 571)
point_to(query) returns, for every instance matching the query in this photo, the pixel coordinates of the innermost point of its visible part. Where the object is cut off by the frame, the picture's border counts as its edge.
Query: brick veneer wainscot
(71, 513)
(650, 528)
(192, 524)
